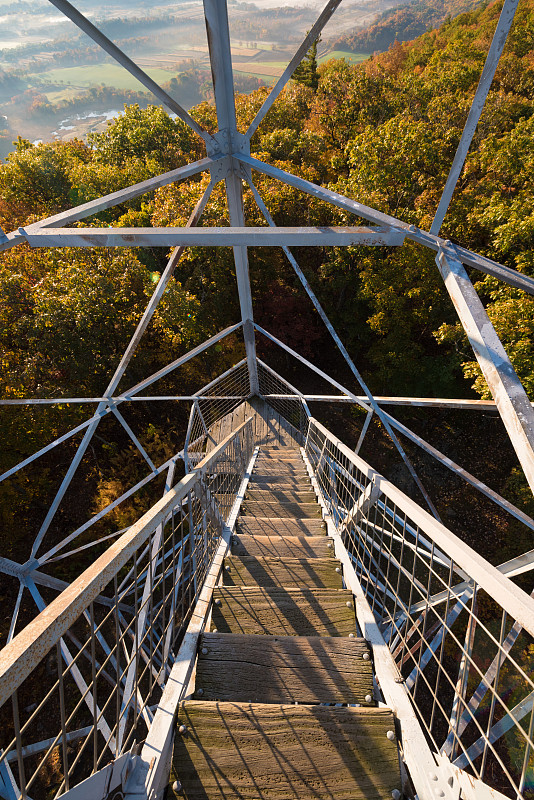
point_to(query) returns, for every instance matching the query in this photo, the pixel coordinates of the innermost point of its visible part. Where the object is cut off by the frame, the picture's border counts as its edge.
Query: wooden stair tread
(288, 612)
(292, 471)
(286, 632)
(266, 484)
(317, 573)
(283, 669)
(277, 480)
(281, 526)
(251, 752)
(276, 546)
(281, 495)
(280, 457)
(261, 508)
(271, 461)
(276, 448)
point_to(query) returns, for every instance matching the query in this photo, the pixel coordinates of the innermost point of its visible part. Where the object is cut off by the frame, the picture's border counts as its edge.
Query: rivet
(204, 651)
(390, 735)
(338, 569)
(396, 795)
(228, 568)
(365, 656)
(214, 630)
(200, 692)
(351, 636)
(433, 776)
(182, 729)
(218, 602)
(177, 787)
(330, 545)
(368, 698)
(439, 792)
(349, 603)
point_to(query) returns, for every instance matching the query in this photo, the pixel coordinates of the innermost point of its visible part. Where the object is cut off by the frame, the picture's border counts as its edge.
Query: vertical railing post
(230, 141)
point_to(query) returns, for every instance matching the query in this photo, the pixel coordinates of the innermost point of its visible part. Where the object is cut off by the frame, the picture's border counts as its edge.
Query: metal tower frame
(228, 158)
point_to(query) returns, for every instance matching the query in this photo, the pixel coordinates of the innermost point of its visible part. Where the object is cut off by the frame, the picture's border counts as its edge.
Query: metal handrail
(31, 645)
(442, 622)
(513, 599)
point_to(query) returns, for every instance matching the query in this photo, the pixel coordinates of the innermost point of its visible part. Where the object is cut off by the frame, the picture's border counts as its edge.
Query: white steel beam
(110, 200)
(237, 236)
(298, 395)
(510, 276)
(104, 407)
(152, 772)
(35, 401)
(343, 350)
(383, 400)
(216, 16)
(488, 73)
(415, 748)
(413, 437)
(124, 195)
(313, 34)
(510, 397)
(106, 44)
(119, 372)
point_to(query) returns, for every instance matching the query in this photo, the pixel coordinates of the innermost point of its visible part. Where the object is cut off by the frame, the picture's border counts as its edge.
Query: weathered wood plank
(254, 526)
(271, 481)
(284, 448)
(281, 468)
(284, 669)
(281, 495)
(319, 573)
(280, 457)
(270, 428)
(288, 612)
(248, 751)
(258, 508)
(282, 546)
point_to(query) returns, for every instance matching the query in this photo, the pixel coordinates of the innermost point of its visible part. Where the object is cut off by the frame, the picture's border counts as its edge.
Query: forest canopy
(383, 132)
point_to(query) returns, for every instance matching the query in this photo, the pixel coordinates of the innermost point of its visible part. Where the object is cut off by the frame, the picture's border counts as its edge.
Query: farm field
(271, 69)
(352, 58)
(274, 69)
(97, 74)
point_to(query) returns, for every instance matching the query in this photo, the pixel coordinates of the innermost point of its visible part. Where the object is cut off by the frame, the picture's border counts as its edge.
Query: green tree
(307, 72)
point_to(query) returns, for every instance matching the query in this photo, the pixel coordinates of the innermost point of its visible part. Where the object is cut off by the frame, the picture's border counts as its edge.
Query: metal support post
(510, 397)
(494, 54)
(216, 14)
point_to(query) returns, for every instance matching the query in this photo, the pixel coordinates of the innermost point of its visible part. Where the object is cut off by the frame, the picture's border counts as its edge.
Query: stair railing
(79, 684)
(459, 632)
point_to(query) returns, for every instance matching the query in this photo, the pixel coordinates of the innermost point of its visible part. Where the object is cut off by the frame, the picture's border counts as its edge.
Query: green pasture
(267, 79)
(352, 58)
(60, 95)
(282, 64)
(95, 74)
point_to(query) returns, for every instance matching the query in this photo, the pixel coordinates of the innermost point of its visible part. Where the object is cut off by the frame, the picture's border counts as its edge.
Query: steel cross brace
(510, 397)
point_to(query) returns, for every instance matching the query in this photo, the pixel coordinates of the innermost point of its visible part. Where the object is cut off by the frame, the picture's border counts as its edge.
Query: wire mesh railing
(216, 400)
(79, 685)
(461, 633)
(293, 409)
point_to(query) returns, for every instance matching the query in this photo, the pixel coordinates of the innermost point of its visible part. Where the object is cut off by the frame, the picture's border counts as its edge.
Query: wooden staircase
(284, 685)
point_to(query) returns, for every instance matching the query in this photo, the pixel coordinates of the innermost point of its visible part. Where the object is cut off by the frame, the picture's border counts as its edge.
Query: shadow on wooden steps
(286, 635)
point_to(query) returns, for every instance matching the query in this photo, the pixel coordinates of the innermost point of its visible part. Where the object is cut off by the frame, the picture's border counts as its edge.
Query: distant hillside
(404, 23)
